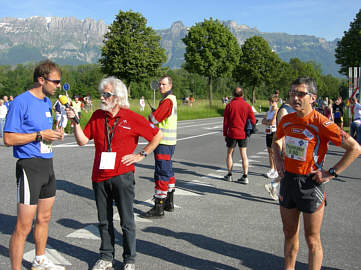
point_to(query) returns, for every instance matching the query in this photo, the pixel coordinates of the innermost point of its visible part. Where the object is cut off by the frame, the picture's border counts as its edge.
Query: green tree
(211, 51)
(131, 50)
(348, 50)
(258, 65)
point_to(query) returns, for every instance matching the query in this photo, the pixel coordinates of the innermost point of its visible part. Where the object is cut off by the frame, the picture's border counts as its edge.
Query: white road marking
(198, 125)
(262, 153)
(212, 175)
(51, 253)
(215, 127)
(88, 232)
(198, 183)
(240, 165)
(140, 143)
(196, 136)
(253, 161)
(254, 156)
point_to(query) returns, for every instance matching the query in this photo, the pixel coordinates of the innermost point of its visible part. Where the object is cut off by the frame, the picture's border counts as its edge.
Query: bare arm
(277, 145)
(11, 138)
(133, 158)
(353, 150)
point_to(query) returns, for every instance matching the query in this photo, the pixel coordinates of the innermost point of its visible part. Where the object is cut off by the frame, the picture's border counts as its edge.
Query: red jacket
(235, 117)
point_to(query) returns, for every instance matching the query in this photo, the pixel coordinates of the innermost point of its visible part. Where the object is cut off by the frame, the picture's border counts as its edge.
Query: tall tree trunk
(210, 90)
(253, 95)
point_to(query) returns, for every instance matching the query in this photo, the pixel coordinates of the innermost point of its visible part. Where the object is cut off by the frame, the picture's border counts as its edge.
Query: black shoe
(169, 203)
(157, 211)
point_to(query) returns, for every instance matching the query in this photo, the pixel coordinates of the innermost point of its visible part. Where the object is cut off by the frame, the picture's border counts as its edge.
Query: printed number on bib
(46, 147)
(296, 148)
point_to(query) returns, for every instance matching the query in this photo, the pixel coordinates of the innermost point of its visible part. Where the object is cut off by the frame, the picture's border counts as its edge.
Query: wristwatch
(38, 137)
(333, 172)
(143, 153)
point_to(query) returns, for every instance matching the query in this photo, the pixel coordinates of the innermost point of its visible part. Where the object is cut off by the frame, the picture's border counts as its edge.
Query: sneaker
(274, 175)
(102, 265)
(129, 266)
(269, 173)
(272, 191)
(243, 180)
(228, 178)
(46, 264)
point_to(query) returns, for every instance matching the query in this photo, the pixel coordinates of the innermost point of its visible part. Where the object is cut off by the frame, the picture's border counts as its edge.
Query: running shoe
(243, 180)
(228, 178)
(129, 266)
(272, 190)
(102, 265)
(46, 264)
(269, 173)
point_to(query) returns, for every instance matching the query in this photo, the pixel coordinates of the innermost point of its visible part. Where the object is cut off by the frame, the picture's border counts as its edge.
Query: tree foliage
(348, 50)
(258, 65)
(212, 51)
(131, 50)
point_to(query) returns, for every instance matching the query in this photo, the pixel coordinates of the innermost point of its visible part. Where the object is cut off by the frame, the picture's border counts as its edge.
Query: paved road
(216, 225)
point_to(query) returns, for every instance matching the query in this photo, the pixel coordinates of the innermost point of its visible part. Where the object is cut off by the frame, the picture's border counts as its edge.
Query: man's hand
(132, 158)
(321, 176)
(51, 135)
(70, 113)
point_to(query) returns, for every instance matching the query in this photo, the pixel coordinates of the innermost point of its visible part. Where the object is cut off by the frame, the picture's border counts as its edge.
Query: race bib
(46, 147)
(296, 148)
(107, 160)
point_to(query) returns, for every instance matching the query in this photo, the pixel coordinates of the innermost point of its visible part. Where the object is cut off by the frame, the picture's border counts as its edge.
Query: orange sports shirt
(306, 140)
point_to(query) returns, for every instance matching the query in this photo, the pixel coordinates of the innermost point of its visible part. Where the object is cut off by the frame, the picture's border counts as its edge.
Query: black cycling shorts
(301, 192)
(231, 143)
(269, 138)
(35, 180)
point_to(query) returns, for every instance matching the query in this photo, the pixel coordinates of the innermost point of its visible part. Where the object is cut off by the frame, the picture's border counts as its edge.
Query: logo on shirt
(327, 123)
(297, 131)
(151, 125)
(124, 124)
(308, 134)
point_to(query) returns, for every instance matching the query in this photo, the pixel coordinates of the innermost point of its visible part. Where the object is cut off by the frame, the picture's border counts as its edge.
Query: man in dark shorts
(29, 129)
(306, 135)
(235, 117)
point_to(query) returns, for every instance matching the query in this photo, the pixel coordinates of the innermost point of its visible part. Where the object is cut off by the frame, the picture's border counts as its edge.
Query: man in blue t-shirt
(28, 129)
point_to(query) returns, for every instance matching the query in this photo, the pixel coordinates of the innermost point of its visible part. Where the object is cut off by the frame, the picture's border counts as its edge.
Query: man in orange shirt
(306, 135)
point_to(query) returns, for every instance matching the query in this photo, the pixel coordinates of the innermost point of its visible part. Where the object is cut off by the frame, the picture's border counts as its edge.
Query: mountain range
(72, 41)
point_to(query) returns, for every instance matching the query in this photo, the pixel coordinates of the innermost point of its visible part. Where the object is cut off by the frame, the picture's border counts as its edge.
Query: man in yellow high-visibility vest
(165, 117)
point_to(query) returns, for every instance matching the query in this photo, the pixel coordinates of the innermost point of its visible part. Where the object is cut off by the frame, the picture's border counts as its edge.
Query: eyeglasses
(299, 93)
(53, 81)
(106, 94)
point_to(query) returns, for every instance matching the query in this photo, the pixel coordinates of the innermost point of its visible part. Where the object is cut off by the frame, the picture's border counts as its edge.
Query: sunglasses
(106, 94)
(299, 93)
(53, 81)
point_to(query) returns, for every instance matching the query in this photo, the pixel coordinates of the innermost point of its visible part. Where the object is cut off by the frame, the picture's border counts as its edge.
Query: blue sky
(322, 18)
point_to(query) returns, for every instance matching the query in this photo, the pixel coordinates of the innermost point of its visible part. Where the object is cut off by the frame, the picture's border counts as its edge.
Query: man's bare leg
(42, 224)
(25, 217)
(243, 151)
(229, 159)
(313, 224)
(291, 228)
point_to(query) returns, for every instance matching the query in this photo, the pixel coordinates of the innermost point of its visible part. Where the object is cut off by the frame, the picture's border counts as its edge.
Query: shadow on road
(250, 258)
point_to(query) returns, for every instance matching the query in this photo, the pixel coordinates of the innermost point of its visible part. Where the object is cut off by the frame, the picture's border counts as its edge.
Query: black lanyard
(110, 136)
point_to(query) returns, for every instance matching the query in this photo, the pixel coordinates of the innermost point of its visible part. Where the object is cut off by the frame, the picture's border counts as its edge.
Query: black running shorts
(301, 192)
(269, 138)
(231, 143)
(35, 180)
